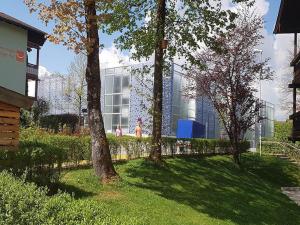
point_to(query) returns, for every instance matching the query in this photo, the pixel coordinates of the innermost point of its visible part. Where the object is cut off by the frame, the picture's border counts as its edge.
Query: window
(108, 100)
(116, 99)
(116, 109)
(107, 122)
(125, 100)
(108, 109)
(115, 119)
(108, 84)
(117, 84)
(125, 85)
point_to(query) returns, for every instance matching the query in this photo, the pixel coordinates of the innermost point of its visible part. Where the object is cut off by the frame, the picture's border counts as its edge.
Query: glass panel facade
(182, 108)
(116, 99)
(267, 124)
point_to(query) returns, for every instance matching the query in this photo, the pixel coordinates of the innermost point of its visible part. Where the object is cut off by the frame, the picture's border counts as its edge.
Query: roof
(34, 35)
(296, 60)
(288, 17)
(14, 98)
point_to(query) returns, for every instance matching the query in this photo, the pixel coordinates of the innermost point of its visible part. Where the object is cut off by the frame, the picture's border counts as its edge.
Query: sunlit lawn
(196, 191)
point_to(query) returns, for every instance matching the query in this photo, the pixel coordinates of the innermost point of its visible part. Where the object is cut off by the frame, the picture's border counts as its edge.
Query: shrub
(37, 161)
(57, 122)
(41, 155)
(24, 203)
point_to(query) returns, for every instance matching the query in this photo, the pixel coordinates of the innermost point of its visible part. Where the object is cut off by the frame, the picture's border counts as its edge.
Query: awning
(288, 20)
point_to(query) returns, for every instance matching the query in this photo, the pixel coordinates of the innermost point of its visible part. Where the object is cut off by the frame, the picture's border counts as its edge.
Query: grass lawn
(206, 191)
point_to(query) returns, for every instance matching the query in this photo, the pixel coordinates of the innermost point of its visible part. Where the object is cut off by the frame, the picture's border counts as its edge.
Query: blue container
(190, 129)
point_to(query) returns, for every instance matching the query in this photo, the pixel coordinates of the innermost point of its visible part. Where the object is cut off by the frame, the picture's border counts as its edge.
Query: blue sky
(56, 58)
(270, 18)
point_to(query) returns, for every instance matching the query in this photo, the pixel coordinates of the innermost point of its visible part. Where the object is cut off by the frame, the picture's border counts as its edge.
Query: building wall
(126, 97)
(13, 41)
(53, 89)
(205, 114)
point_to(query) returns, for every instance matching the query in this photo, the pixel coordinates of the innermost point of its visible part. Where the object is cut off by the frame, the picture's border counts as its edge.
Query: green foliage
(23, 203)
(57, 122)
(40, 107)
(280, 143)
(25, 118)
(288, 149)
(41, 155)
(78, 147)
(188, 23)
(36, 161)
(282, 130)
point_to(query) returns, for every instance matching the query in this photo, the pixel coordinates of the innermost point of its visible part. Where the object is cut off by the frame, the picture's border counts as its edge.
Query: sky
(56, 58)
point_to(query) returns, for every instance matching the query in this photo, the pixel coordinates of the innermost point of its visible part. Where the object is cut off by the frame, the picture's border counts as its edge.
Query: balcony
(32, 70)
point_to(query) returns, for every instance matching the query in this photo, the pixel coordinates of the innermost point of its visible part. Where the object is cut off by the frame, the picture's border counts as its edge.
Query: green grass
(195, 191)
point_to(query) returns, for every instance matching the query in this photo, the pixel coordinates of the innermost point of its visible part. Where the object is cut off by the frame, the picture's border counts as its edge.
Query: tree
(76, 25)
(76, 85)
(167, 29)
(39, 108)
(230, 76)
(282, 130)
(25, 118)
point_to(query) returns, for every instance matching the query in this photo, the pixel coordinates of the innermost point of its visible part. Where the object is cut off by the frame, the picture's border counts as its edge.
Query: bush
(58, 122)
(37, 161)
(23, 203)
(41, 155)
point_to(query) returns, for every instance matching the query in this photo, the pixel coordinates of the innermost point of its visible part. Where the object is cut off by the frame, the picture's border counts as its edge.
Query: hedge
(289, 149)
(58, 122)
(41, 155)
(24, 203)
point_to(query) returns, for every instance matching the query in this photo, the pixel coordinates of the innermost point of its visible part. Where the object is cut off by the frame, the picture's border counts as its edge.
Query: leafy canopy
(189, 25)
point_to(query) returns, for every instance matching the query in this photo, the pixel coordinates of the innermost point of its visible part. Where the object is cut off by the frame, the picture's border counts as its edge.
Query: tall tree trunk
(101, 157)
(155, 154)
(235, 144)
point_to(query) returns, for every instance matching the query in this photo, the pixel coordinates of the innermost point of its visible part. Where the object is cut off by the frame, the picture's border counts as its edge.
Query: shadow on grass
(76, 192)
(215, 186)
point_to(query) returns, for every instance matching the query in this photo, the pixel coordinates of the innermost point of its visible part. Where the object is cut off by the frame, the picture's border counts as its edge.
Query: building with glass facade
(53, 88)
(267, 123)
(126, 98)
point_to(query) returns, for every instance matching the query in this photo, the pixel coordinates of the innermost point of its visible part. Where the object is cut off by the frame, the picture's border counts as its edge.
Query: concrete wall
(13, 42)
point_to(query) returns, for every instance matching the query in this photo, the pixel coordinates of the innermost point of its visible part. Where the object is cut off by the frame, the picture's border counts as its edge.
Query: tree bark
(155, 154)
(101, 157)
(235, 143)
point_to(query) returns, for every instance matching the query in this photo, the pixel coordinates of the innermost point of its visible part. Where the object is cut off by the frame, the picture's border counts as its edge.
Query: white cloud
(43, 72)
(113, 57)
(261, 7)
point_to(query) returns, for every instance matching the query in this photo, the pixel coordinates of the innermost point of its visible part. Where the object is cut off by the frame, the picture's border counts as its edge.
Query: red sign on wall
(20, 56)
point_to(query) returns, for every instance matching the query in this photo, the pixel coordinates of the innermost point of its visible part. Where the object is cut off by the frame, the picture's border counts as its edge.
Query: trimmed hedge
(41, 155)
(24, 203)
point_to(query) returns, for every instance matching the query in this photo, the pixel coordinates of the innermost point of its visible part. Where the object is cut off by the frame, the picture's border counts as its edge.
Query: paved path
(293, 193)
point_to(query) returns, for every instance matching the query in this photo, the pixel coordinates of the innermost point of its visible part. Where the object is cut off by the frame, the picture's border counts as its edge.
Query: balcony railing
(32, 69)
